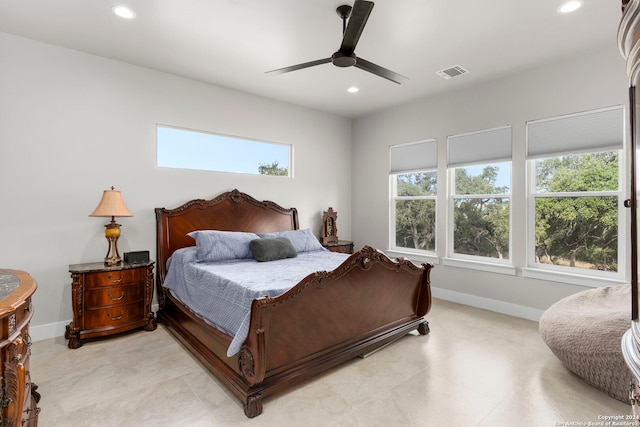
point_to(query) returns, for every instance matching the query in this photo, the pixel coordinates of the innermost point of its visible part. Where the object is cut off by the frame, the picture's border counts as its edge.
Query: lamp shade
(111, 204)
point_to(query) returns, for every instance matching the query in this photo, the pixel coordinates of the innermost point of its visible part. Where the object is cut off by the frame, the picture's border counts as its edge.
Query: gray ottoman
(585, 331)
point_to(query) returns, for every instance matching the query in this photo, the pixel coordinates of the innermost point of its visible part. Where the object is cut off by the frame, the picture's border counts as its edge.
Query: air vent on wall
(451, 72)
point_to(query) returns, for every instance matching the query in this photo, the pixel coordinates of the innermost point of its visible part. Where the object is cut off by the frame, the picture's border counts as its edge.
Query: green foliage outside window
(272, 169)
(574, 225)
(577, 231)
(416, 215)
(481, 223)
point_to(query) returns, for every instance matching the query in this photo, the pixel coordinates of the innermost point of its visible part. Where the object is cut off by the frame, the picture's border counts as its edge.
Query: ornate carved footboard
(326, 319)
(331, 317)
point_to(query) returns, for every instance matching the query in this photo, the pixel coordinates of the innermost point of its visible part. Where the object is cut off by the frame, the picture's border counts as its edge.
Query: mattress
(221, 293)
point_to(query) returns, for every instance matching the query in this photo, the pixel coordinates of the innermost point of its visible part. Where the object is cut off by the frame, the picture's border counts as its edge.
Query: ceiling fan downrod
(344, 12)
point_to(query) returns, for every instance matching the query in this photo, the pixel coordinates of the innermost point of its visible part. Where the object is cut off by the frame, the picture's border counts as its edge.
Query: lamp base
(112, 233)
(113, 260)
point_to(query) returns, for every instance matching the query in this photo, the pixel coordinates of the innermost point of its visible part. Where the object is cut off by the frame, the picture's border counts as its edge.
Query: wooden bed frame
(326, 319)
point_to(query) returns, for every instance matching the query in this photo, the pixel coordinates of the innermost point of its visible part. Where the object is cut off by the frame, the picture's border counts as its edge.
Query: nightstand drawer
(114, 278)
(112, 296)
(113, 316)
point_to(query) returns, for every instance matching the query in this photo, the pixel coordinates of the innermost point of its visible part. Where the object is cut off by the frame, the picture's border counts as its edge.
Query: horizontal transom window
(191, 149)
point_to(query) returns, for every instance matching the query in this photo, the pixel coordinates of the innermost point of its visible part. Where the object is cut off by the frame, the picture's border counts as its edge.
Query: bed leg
(253, 406)
(423, 328)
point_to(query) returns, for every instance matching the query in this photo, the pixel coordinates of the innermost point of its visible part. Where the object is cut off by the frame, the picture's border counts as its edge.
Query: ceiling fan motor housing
(344, 11)
(340, 59)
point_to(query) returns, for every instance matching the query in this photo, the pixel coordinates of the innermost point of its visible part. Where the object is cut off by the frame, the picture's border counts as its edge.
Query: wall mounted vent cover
(451, 72)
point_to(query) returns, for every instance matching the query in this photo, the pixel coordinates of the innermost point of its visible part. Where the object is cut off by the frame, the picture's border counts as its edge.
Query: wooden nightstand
(109, 299)
(344, 246)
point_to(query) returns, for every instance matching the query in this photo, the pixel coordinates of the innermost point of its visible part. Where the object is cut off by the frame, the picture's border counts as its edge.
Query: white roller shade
(598, 130)
(417, 156)
(487, 146)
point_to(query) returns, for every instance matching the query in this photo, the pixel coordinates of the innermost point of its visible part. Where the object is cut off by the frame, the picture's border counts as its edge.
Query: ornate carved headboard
(230, 211)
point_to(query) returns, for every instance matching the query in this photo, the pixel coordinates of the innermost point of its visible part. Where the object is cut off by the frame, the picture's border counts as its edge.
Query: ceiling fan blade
(359, 16)
(300, 66)
(379, 71)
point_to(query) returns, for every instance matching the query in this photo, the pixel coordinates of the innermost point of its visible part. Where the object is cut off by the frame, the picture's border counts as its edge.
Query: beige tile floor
(476, 368)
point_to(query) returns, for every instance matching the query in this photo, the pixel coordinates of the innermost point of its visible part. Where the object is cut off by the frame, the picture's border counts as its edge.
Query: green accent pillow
(271, 249)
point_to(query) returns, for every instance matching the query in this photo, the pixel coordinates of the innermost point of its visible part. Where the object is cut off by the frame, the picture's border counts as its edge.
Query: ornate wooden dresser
(18, 394)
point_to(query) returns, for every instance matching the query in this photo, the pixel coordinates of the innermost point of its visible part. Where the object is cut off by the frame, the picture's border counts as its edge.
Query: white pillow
(215, 245)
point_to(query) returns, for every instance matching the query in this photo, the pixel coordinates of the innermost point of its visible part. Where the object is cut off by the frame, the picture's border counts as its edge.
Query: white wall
(72, 125)
(586, 81)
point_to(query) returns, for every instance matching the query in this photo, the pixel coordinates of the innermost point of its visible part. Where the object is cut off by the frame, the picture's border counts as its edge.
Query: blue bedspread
(221, 293)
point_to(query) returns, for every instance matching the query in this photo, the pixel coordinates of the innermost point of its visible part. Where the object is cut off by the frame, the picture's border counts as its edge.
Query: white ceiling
(232, 43)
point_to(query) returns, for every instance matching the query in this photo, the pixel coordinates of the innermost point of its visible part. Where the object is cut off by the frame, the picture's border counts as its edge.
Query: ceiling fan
(345, 56)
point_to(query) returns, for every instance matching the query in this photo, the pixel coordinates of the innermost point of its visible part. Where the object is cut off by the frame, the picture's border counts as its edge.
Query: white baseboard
(503, 307)
(53, 330)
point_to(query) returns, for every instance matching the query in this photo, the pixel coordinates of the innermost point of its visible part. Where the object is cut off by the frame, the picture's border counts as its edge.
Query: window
(414, 186)
(575, 192)
(480, 197)
(190, 149)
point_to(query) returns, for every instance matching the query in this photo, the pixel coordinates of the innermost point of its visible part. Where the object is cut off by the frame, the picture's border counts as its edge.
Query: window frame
(523, 174)
(575, 275)
(485, 147)
(452, 197)
(393, 191)
(224, 139)
(406, 158)
(598, 130)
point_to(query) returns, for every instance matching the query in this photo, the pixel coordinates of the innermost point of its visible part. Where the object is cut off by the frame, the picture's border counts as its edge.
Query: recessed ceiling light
(570, 6)
(353, 89)
(123, 12)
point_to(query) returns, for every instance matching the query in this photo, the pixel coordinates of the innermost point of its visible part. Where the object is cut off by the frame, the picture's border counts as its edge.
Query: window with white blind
(575, 212)
(414, 186)
(479, 168)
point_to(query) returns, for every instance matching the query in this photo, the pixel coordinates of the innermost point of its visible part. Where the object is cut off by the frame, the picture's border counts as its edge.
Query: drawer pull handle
(115, 317)
(116, 299)
(116, 280)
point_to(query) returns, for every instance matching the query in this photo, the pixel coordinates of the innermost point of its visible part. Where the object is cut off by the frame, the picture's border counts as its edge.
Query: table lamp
(111, 205)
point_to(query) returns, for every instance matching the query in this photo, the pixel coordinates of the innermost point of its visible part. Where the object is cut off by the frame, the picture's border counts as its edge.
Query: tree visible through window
(479, 166)
(272, 169)
(575, 192)
(576, 211)
(481, 211)
(414, 187)
(415, 210)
